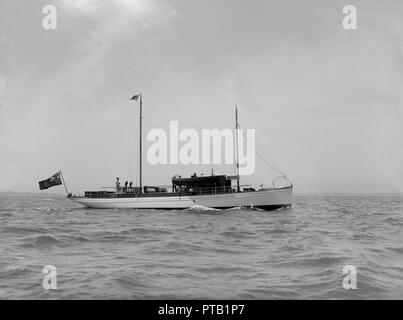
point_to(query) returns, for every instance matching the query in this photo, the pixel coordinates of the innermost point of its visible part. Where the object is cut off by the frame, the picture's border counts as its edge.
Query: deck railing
(135, 191)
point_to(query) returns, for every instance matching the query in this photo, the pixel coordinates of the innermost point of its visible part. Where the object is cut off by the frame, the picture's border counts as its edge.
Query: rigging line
(129, 142)
(265, 153)
(267, 162)
(137, 164)
(266, 150)
(132, 161)
(257, 136)
(150, 123)
(263, 159)
(156, 127)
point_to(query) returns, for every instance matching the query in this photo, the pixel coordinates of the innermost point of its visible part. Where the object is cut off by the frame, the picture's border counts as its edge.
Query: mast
(141, 142)
(64, 183)
(236, 148)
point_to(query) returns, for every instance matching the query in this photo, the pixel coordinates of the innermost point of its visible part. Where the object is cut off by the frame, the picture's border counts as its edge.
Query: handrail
(198, 191)
(190, 191)
(288, 181)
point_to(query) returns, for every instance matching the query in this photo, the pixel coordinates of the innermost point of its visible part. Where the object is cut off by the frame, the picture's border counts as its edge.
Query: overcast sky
(326, 103)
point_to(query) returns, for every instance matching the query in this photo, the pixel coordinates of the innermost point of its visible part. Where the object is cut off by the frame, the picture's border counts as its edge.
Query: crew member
(125, 188)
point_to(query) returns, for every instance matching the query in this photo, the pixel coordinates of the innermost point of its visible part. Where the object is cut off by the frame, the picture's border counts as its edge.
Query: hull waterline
(266, 199)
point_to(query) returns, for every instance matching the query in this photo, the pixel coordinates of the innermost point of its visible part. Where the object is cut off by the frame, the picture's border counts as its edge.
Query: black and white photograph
(201, 150)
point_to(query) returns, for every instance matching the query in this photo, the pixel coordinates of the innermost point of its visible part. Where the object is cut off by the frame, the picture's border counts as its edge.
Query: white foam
(198, 207)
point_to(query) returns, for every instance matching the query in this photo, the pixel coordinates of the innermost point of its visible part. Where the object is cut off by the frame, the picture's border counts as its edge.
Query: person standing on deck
(125, 187)
(117, 184)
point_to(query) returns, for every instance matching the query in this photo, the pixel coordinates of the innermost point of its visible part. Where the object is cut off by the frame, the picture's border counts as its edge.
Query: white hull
(266, 199)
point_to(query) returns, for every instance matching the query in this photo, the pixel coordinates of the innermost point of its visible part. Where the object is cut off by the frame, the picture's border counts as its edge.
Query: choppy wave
(42, 242)
(200, 252)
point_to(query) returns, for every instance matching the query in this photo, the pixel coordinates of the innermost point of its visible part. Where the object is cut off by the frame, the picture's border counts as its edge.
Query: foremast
(237, 148)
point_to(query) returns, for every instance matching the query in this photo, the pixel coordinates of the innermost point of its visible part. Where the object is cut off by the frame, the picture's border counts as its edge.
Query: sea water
(296, 253)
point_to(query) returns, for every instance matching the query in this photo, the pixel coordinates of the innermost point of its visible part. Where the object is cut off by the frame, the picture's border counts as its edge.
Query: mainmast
(135, 98)
(236, 148)
(141, 143)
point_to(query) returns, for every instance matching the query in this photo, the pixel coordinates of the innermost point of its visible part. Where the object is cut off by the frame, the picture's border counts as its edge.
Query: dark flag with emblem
(135, 97)
(54, 180)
